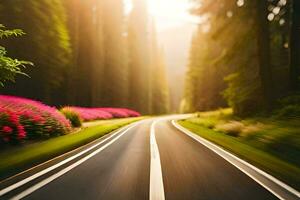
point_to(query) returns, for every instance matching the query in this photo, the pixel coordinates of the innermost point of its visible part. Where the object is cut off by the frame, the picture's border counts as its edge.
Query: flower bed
(89, 114)
(22, 118)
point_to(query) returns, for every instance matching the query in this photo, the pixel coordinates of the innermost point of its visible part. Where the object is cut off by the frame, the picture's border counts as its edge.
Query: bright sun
(169, 13)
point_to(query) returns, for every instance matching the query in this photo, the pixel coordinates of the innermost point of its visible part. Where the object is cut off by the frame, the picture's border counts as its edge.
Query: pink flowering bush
(11, 129)
(115, 112)
(89, 114)
(130, 113)
(22, 118)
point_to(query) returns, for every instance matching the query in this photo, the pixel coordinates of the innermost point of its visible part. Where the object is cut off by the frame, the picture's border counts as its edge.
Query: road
(145, 160)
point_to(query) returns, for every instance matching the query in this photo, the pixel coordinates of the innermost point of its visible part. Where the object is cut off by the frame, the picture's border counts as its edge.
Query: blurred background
(157, 56)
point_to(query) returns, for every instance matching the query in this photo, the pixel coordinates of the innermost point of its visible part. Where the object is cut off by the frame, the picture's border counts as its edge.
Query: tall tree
(248, 73)
(263, 44)
(115, 61)
(139, 61)
(159, 93)
(82, 20)
(48, 48)
(295, 47)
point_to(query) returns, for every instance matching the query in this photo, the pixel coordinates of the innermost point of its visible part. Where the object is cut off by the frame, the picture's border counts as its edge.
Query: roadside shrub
(290, 100)
(10, 128)
(116, 112)
(290, 111)
(72, 115)
(90, 114)
(207, 122)
(22, 118)
(233, 128)
(131, 113)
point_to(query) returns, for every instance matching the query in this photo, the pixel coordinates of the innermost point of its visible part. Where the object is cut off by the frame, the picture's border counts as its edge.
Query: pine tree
(139, 60)
(115, 80)
(295, 47)
(159, 93)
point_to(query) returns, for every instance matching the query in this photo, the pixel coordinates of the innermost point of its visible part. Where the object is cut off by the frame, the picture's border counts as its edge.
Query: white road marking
(62, 172)
(28, 179)
(156, 181)
(226, 155)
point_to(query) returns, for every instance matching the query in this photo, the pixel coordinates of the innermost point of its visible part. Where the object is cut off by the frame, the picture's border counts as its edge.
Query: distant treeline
(246, 55)
(86, 53)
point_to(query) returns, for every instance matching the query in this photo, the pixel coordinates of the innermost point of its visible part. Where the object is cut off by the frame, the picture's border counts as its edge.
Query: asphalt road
(122, 170)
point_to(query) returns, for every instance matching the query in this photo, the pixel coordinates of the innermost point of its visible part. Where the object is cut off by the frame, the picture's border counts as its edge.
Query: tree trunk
(263, 39)
(295, 47)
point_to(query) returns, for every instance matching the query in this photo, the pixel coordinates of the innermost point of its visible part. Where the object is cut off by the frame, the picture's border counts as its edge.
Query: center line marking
(156, 181)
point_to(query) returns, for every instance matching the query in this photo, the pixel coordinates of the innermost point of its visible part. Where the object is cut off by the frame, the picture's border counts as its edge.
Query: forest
(84, 53)
(246, 55)
(198, 99)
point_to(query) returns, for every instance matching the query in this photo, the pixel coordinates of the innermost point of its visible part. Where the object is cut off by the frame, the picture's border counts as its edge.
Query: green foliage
(263, 149)
(289, 111)
(249, 67)
(242, 93)
(290, 100)
(72, 116)
(6, 33)
(9, 67)
(46, 44)
(86, 53)
(274, 135)
(159, 84)
(288, 107)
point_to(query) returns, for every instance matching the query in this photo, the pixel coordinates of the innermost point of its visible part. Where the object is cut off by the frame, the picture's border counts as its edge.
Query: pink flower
(88, 114)
(14, 118)
(7, 129)
(34, 116)
(21, 132)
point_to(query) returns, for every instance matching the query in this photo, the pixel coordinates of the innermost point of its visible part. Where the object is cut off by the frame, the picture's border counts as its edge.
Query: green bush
(72, 116)
(290, 100)
(290, 111)
(232, 128)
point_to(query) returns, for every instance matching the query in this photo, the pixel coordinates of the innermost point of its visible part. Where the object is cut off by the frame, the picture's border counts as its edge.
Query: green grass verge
(17, 159)
(283, 170)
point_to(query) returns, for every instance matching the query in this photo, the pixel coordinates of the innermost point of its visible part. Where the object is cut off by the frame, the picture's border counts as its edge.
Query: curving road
(145, 160)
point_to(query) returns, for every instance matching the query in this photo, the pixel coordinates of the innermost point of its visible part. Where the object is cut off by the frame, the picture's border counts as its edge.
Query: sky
(175, 27)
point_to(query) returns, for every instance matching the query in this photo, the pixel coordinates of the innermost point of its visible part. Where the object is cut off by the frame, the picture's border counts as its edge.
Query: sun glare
(168, 13)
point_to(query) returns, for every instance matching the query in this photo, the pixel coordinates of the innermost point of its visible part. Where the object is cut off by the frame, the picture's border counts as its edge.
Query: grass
(17, 159)
(268, 144)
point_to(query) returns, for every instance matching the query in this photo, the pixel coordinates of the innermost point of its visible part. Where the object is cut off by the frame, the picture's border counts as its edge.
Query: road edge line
(53, 167)
(203, 141)
(67, 169)
(156, 191)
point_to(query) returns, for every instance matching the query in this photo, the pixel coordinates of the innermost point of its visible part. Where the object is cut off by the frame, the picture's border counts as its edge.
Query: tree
(263, 46)
(139, 60)
(241, 58)
(295, 47)
(115, 58)
(85, 30)
(159, 93)
(9, 67)
(48, 48)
